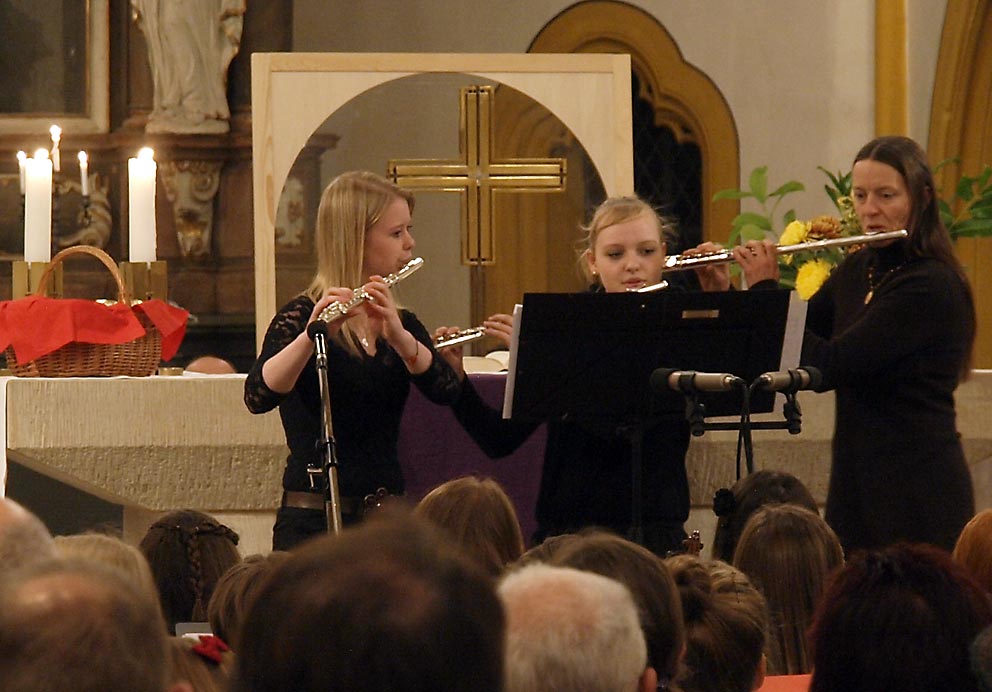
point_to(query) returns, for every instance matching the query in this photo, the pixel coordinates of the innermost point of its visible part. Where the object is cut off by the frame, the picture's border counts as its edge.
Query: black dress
(367, 393)
(899, 472)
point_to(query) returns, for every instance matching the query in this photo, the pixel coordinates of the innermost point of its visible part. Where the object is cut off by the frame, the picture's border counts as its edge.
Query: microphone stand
(696, 415)
(324, 474)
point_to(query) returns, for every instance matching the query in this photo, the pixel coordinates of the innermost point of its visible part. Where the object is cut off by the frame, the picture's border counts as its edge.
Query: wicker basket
(137, 358)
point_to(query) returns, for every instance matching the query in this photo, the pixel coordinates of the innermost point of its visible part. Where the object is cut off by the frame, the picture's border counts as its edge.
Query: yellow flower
(811, 276)
(795, 232)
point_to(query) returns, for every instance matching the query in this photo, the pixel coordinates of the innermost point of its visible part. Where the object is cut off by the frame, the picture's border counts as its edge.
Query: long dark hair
(927, 235)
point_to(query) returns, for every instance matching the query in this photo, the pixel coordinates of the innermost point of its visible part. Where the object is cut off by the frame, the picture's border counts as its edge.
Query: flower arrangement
(804, 271)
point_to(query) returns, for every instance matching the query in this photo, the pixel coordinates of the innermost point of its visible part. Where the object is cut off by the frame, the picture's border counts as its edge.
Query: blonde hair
(350, 205)
(480, 517)
(616, 210)
(788, 552)
(113, 551)
(973, 549)
(201, 672)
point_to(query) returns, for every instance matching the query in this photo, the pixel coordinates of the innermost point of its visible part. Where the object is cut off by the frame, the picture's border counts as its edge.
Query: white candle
(141, 206)
(84, 173)
(56, 133)
(38, 208)
(21, 165)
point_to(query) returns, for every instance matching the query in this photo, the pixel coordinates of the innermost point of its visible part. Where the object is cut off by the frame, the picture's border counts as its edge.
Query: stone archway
(684, 98)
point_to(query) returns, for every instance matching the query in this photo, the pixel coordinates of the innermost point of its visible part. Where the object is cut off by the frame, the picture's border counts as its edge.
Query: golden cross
(478, 175)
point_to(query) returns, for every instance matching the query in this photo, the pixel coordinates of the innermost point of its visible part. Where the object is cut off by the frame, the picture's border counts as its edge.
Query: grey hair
(570, 630)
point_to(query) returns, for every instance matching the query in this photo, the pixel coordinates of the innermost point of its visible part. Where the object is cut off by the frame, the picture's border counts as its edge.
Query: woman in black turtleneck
(892, 331)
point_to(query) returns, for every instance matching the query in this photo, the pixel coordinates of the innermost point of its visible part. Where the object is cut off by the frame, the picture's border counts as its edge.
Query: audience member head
(568, 629)
(71, 625)
(788, 552)
(980, 654)
(188, 551)
(649, 582)
(23, 538)
(735, 506)
(726, 620)
(973, 549)
(204, 663)
(113, 551)
(901, 618)
(235, 591)
(545, 551)
(480, 517)
(211, 365)
(390, 604)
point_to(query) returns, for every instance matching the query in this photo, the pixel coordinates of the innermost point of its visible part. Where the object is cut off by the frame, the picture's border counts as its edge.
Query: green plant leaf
(759, 183)
(982, 204)
(751, 218)
(983, 177)
(972, 228)
(752, 232)
(789, 217)
(945, 162)
(731, 194)
(791, 186)
(964, 189)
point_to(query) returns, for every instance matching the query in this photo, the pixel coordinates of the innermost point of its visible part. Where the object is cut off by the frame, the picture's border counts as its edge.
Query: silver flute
(674, 263)
(338, 309)
(460, 337)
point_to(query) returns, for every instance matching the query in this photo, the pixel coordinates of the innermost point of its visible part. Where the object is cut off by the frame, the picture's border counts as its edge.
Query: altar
(156, 444)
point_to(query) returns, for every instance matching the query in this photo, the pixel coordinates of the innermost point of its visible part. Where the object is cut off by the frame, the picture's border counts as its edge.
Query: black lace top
(367, 398)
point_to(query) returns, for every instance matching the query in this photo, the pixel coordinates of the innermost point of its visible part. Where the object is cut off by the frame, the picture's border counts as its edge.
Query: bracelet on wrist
(412, 360)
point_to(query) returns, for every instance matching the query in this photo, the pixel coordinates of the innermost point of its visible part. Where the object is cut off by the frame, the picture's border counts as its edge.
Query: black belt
(306, 500)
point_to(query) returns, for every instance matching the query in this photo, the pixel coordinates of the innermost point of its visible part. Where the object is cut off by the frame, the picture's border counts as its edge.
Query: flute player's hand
(758, 260)
(500, 326)
(712, 277)
(452, 355)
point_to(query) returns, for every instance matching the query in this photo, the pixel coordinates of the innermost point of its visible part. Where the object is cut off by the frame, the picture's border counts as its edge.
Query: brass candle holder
(146, 280)
(27, 279)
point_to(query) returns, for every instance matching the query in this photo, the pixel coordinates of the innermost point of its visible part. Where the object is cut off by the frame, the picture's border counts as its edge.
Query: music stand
(589, 356)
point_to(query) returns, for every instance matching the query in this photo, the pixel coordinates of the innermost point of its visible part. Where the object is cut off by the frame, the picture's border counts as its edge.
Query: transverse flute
(674, 263)
(338, 309)
(460, 337)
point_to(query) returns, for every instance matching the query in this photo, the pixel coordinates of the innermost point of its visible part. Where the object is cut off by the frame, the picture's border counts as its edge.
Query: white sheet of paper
(511, 370)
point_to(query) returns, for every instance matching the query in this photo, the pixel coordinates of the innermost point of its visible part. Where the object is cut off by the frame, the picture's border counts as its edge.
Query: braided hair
(188, 552)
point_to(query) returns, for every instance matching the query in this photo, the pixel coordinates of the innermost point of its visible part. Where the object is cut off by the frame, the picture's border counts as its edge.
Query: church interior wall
(798, 77)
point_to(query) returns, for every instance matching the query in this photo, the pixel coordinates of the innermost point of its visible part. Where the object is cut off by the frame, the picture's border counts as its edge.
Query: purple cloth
(433, 448)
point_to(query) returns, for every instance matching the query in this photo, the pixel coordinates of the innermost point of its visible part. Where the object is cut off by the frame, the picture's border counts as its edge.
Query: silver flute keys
(461, 337)
(690, 261)
(338, 309)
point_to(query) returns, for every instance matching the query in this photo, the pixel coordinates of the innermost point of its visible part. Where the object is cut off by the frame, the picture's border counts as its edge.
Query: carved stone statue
(190, 45)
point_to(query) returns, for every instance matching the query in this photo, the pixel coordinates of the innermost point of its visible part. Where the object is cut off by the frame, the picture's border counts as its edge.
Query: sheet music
(518, 313)
(792, 343)
(795, 326)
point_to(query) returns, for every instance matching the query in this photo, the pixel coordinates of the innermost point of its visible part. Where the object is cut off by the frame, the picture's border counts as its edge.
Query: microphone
(789, 381)
(317, 327)
(688, 381)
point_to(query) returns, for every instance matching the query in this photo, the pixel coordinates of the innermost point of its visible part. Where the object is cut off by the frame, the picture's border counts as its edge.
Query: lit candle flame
(84, 169)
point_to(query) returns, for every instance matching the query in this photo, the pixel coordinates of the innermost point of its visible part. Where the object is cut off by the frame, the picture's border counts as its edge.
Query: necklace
(873, 284)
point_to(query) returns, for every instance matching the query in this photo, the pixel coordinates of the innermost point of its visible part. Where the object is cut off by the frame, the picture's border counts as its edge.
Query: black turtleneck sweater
(899, 472)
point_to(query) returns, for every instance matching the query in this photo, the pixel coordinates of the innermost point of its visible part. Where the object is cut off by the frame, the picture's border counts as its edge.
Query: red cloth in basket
(37, 325)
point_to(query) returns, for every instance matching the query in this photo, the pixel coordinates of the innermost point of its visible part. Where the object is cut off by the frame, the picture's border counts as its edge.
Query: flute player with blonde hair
(375, 352)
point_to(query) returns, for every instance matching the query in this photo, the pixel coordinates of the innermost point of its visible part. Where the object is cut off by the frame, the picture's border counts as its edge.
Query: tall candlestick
(84, 173)
(141, 206)
(56, 133)
(38, 208)
(21, 165)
